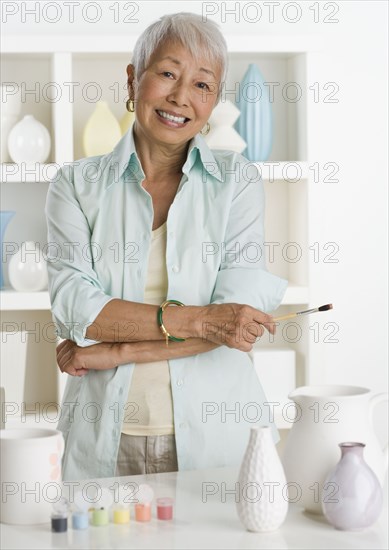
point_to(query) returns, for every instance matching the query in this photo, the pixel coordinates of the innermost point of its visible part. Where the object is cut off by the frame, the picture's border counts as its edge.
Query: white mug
(30, 466)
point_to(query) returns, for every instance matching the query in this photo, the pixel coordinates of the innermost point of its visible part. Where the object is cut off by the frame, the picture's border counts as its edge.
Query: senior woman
(155, 291)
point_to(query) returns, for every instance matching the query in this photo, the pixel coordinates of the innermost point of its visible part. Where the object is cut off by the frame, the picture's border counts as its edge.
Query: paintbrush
(306, 312)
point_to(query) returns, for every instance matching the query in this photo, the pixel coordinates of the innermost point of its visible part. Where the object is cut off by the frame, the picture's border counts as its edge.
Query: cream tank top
(149, 407)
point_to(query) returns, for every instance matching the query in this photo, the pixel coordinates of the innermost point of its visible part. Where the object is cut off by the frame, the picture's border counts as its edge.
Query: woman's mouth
(172, 120)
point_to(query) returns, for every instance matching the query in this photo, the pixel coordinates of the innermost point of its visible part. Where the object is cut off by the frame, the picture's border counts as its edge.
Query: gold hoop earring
(208, 127)
(130, 105)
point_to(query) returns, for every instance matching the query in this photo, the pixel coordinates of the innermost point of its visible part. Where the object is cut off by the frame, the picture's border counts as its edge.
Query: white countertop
(200, 521)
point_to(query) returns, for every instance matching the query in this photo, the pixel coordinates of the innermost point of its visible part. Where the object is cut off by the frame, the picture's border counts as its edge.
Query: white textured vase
(27, 269)
(263, 502)
(29, 141)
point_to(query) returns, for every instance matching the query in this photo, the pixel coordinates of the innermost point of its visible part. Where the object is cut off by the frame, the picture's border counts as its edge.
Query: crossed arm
(76, 360)
(204, 329)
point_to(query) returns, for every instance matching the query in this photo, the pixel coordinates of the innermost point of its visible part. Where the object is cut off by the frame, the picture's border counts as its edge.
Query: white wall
(352, 133)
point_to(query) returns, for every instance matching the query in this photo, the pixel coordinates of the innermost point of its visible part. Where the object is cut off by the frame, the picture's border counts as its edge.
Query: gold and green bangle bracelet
(161, 309)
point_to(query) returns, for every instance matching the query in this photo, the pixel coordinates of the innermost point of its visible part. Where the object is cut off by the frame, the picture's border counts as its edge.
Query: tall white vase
(263, 501)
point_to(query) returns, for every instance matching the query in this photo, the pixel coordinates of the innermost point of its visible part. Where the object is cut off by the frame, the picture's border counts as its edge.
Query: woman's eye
(167, 73)
(203, 86)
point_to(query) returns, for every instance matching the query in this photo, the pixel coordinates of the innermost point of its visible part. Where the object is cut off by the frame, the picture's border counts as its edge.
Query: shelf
(11, 300)
(22, 173)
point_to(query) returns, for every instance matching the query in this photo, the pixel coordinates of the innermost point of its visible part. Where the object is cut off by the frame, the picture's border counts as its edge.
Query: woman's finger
(64, 355)
(62, 345)
(62, 348)
(266, 321)
(252, 331)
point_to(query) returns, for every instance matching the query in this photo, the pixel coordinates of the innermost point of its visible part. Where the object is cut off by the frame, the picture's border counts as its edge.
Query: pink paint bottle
(145, 495)
(143, 511)
(165, 508)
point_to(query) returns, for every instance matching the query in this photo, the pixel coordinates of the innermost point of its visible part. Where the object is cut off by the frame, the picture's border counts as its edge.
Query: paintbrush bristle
(326, 307)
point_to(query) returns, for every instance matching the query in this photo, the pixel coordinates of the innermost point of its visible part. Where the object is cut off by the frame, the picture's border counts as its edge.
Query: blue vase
(6, 216)
(255, 123)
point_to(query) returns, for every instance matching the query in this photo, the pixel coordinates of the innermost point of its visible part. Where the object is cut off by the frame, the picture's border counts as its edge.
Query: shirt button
(183, 425)
(139, 271)
(175, 269)
(180, 382)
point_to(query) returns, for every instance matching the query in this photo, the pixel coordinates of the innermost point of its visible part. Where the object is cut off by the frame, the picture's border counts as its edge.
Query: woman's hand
(233, 325)
(76, 360)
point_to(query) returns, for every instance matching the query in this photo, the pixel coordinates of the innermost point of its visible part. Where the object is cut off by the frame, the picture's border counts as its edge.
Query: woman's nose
(179, 94)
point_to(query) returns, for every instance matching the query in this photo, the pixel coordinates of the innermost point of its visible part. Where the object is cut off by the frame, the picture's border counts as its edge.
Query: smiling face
(175, 94)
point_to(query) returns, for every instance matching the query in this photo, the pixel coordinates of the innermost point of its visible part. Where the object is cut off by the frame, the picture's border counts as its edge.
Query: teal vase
(6, 216)
(255, 123)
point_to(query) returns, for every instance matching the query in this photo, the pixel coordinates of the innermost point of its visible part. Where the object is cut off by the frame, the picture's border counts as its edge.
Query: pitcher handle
(379, 398)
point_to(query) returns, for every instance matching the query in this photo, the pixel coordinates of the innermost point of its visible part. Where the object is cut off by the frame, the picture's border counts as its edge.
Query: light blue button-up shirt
(99, 221)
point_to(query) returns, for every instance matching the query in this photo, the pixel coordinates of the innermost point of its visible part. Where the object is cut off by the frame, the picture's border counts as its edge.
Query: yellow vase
(102, 131)
(126, 121)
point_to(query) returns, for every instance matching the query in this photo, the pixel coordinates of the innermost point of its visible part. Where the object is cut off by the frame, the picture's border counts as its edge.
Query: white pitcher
(326, 416)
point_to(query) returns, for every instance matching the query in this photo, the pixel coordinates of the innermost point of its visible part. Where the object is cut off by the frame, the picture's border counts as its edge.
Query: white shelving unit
(58, 76)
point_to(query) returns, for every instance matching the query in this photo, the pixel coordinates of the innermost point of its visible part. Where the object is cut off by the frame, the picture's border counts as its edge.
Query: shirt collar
(207, 158)
(125, 154)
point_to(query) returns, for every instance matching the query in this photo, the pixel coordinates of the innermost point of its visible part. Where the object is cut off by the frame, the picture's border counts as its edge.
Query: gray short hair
(200, 37)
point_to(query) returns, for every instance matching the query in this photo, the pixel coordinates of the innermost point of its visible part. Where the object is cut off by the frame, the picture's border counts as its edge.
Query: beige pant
(146, 455)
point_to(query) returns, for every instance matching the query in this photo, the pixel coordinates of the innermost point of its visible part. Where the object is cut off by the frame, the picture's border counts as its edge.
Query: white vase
(222, 135)
(102, 131)
(263, 502)
(29, 141)
(27, 270)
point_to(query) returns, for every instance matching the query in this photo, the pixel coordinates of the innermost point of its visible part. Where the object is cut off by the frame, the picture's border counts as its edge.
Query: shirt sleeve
(242, 277)
(76, 294)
